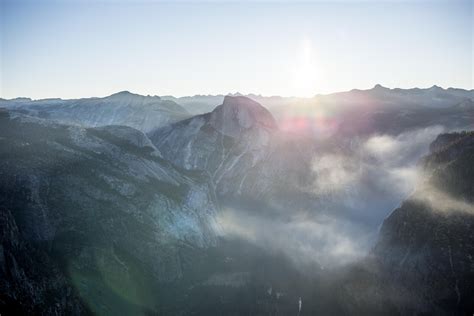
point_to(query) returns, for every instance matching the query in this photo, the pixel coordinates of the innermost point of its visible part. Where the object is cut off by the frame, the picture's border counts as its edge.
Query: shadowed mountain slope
(103, 205)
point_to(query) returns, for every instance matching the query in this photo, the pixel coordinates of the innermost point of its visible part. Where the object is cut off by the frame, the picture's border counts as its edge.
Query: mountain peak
(379, 87)
(238, 112)
(239, 100)
(127, 95)
(122, 93)
(435, 88)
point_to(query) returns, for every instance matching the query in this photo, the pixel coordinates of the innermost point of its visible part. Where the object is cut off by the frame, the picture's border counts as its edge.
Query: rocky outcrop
(240, 146)
(239, 114)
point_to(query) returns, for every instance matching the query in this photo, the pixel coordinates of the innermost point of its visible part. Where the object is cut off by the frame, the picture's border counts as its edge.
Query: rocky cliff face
(423, 261)
(124, 108)
(103, 205)
(240, 146)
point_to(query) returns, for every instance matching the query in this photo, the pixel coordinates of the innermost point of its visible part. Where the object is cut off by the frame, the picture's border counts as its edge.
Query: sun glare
(306, 71)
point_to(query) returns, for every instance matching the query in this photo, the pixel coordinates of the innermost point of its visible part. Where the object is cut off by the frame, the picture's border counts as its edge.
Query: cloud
(306, 240)
(440, 201)
(334, 172)
(355, 188)
(402, 149)
(380, 164)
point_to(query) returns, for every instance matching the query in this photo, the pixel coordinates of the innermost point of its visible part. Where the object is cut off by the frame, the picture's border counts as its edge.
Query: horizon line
(237, 93)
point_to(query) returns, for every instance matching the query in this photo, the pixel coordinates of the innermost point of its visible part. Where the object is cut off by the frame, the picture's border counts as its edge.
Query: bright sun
(306, 71)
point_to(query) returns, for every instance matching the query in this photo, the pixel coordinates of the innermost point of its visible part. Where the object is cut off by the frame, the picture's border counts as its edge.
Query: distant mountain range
(123, 108)
(343, 113)
(431, 97)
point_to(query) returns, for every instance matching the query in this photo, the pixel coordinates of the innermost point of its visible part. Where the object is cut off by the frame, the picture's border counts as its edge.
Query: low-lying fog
(355, 189)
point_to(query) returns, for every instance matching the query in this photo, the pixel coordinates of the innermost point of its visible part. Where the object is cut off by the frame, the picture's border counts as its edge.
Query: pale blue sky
(77, 48)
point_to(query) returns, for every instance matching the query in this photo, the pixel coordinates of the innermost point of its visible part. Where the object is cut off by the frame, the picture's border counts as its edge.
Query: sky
(74, 48)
